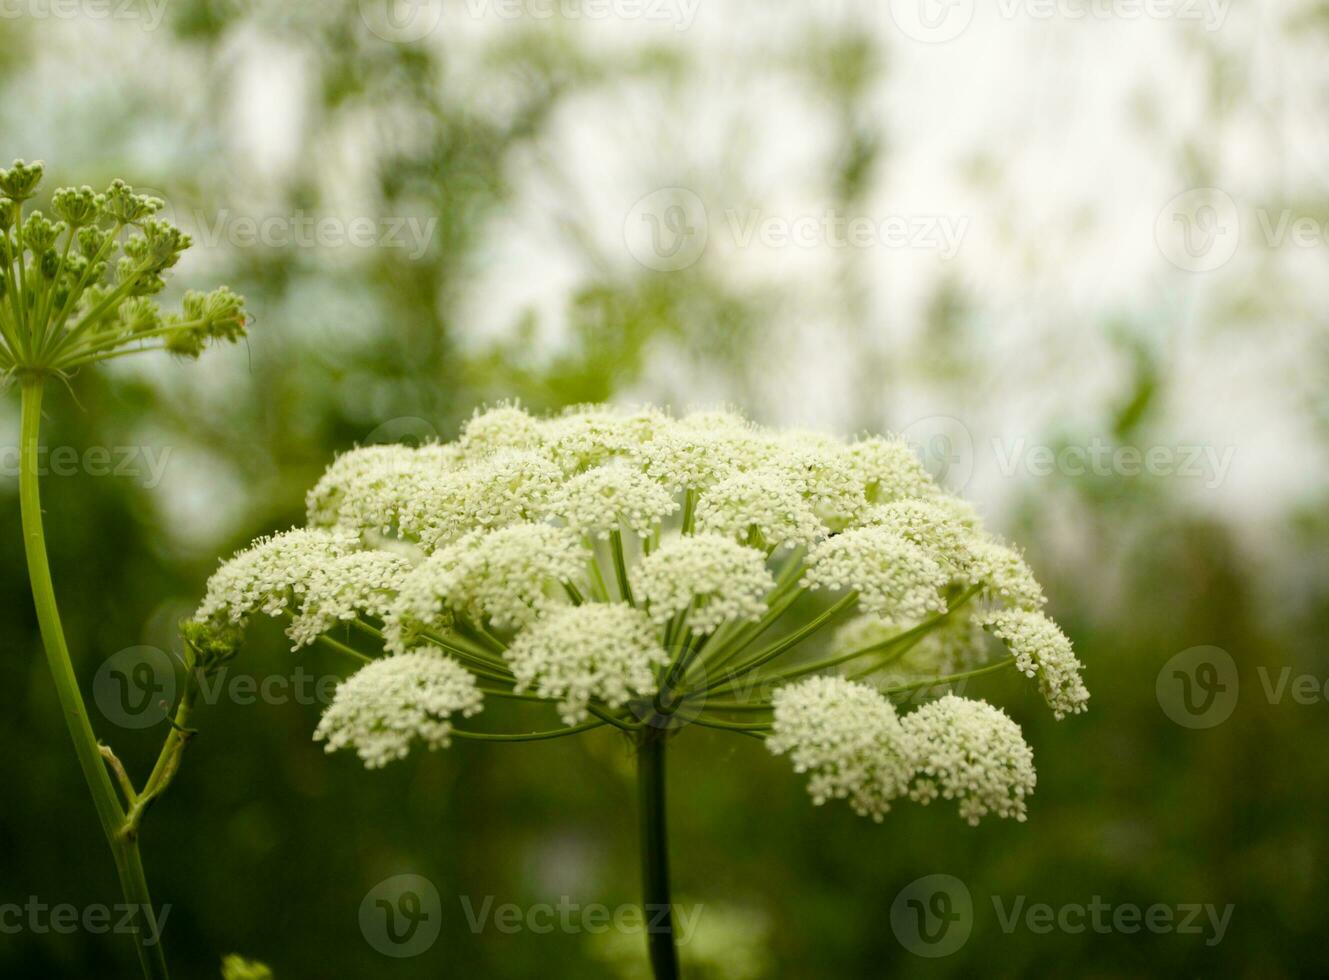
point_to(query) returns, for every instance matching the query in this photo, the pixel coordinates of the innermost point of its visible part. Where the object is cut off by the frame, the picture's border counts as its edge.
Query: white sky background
(1086, 128)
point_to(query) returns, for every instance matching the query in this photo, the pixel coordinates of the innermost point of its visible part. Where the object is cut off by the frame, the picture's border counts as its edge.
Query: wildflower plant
(648, 573)
(79, 287)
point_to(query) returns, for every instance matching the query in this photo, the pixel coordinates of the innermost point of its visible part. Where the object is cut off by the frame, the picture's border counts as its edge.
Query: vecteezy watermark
(568, 916)
(148, 13)
(407, 21)
(938, 21)
(144, 463)
(933, 916)
(401, 916)
(1105, 918)
(136, 687)
(302, 230)
(932, 21)
(946, 448)
(1099, 457)
(668, 230)
(35, 916)
(1199, 687)
(1200, 230)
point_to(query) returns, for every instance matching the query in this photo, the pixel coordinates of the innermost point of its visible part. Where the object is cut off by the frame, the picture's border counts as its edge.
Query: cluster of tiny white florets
(1003, 574)
(610, 498)
(889, 469)
(506, 577)
(381, 709)
(761, 508)
(578, 556)
(271, 574)
(971, 752)
(1042, 650)
(603, 650)
(930, 524)
(892, 576)
(848, 737)
(351, 585)
(714, 579)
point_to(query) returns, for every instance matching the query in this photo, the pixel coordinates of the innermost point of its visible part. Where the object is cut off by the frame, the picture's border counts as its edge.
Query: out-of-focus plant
(68, 302)
(650, 573)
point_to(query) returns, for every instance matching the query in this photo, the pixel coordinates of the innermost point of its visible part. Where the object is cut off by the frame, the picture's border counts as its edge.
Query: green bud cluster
(78, 287)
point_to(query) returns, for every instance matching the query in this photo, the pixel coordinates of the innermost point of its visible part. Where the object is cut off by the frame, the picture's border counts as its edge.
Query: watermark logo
(1198, 688)
(401, 21)
(401, 916)
(932, 916)
(1199, 229)
(39, 918)
(571, 917)
(144, 464)
(135, 688)
(946, 448)
(148, 13)
(1101, 458)
(667, 230)
(932, 21)
(409, 430)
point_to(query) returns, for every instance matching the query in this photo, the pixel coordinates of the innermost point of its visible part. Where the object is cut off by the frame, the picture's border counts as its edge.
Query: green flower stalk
(650, 574)
(74, 291)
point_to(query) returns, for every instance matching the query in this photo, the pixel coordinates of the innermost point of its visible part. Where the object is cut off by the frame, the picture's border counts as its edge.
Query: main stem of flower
(121, 837)
(656, 904)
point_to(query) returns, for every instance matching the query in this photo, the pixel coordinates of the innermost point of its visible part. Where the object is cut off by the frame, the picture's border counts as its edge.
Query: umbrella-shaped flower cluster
(646, 572)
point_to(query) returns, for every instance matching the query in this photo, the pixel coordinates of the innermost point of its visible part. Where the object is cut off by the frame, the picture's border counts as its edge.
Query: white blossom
(762, 508)
(893, 577)
(597, 650)
(971, 752)
(715, 578)
(501, 427)
(362, 582)
(1042, 650)
(271, 574)
(1003, 573)
(609, 498)
(847, 737)
(888, 469)
(385, 706)
(506, 577)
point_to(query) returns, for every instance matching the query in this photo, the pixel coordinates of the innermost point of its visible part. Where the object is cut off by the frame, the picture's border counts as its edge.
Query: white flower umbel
(507, 576)
(889, 469)
(384, 707)
(1003, 574)
(360, 583)
(269, 575)
(370, 488)
(610, 498)
(592, 436)
(930, 524)
(1042, 650)
(505, 487)
(973, 753)
(597, 650)
(500, 564)
(762, 509)
(715, 580)
(892, 576)
(847, 737)
(501, 427)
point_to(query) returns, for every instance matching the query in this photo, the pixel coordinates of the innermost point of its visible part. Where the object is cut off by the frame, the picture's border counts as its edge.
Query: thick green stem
(656, 905)
(109, 811)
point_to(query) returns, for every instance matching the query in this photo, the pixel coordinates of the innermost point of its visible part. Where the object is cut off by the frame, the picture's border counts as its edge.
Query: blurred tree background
(517, 151)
